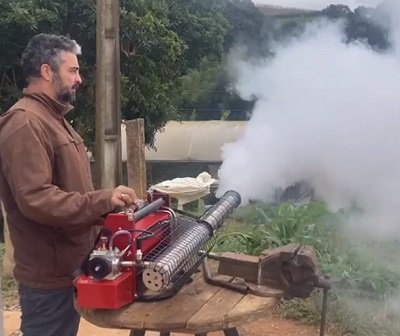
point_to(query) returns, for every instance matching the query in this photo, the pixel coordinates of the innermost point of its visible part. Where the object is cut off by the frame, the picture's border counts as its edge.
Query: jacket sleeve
(27, 167)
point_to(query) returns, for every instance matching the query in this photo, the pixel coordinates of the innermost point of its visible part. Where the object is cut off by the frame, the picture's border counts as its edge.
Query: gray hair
(46, 49)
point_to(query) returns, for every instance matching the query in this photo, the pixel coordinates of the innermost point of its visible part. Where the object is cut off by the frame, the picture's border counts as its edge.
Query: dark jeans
(48, 312)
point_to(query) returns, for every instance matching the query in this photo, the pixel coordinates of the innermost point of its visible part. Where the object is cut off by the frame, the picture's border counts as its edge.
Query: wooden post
(8, 258)
(108, 110)
(135, 156)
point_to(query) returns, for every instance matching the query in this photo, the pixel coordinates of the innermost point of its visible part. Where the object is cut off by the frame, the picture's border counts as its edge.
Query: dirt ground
(273, 326)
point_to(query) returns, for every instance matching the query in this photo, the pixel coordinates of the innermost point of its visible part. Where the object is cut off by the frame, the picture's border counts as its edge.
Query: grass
(366, 293)
(8, 286)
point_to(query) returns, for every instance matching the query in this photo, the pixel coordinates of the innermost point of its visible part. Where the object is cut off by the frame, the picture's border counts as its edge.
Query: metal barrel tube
(174, 259)
(148, 209)
(219, 213)
(188, 243)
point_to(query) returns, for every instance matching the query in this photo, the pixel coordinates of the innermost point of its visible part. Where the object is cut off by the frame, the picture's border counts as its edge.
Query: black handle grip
(148, 209)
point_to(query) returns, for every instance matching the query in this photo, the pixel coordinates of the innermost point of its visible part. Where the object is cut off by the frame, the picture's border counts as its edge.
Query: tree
(360, 24)
(203, 93)
(174, 38)
(160, 41)
(201, 24)
(248, 27)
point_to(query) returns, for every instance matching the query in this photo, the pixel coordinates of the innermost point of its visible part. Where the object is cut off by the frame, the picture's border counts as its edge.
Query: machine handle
(148, 209)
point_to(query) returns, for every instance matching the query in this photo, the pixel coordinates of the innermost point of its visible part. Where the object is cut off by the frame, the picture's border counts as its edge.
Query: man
(46, 187)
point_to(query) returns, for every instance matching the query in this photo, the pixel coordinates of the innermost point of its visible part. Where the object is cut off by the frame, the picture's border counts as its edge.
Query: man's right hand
(124, 197)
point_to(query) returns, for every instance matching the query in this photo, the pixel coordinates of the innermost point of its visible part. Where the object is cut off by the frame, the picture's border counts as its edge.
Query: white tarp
(186, 189)
(190, 141)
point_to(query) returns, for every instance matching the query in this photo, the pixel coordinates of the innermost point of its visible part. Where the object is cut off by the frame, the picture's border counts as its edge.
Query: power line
(200, 90)
(205, 109)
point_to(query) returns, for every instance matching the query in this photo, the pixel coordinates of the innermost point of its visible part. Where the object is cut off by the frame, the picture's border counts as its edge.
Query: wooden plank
(134, 316)
(210, 317)
(135, 156)
(130, 317)
(250, 309)
(239, 266)
(173, 314)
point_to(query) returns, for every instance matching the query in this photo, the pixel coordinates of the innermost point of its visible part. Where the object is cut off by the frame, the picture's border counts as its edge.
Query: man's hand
(124, 197)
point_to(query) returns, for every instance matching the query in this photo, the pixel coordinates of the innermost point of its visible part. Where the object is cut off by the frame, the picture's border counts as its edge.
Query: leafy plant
(363, 273)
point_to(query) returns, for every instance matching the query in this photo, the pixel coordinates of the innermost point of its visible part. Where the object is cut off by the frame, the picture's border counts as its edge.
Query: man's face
(67, 80)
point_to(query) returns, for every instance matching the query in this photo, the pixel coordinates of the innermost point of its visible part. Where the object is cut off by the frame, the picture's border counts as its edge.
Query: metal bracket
(286, 272)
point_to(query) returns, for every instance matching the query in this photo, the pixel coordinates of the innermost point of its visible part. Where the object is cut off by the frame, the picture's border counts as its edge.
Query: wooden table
(197, 309)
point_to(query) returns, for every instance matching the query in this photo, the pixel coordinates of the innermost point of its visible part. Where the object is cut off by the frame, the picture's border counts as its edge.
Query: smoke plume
(328, 113)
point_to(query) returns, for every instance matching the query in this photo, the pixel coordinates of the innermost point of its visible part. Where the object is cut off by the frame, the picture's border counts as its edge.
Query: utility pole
(108, 162)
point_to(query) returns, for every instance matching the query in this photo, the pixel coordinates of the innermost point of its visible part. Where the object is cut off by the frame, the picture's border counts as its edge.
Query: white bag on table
(186, 189)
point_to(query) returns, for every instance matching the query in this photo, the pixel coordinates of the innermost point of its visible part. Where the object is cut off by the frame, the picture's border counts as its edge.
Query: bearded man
(53, 211)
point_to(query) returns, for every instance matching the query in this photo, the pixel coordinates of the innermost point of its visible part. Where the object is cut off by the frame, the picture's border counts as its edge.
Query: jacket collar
(58, 109)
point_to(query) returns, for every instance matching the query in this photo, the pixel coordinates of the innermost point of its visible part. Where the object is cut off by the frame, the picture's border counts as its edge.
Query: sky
(317, 4)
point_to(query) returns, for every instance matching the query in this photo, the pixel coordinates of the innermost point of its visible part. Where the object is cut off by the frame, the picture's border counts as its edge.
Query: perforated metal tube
(219, 213)
(189, 238)
(177, 257)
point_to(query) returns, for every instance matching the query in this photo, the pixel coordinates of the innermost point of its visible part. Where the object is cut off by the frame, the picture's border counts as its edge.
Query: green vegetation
(364, 273)
(173, 53)
(8, 285)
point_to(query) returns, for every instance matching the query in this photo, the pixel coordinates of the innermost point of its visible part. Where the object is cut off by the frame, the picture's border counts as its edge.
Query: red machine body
(121, 289)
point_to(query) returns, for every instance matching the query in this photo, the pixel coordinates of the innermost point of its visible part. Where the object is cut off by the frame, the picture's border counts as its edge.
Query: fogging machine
(148, 254)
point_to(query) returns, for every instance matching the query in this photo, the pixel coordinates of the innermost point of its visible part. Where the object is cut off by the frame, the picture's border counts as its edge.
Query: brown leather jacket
(46, 186)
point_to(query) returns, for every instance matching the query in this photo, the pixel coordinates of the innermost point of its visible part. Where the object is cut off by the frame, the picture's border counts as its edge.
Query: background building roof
(191, 141)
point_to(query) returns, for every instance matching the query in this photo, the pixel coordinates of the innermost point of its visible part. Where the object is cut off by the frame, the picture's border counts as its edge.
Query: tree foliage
(173, 52)
(161, 40)
(360, 24)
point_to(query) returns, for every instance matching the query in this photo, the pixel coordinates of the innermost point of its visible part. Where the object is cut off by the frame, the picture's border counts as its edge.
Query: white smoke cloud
(329, 113)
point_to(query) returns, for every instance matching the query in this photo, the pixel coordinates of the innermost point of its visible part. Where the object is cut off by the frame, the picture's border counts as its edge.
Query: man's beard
(64, 93)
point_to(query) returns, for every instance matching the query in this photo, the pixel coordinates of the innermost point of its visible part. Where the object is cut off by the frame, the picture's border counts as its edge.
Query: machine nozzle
(219, 212)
